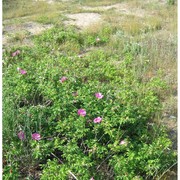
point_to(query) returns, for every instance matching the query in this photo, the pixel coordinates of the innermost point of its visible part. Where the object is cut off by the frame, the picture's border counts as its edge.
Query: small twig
(101, 137)
(47, 103)
(57, 158)
(107, 143)
(73, 175)
(167, 170)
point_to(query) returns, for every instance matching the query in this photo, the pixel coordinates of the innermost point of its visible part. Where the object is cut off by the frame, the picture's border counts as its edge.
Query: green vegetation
(87, 104)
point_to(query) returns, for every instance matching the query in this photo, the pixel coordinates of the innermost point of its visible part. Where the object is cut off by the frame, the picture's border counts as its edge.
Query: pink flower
(92, 178)
(21, 135)
(16, 53)
(36, 136)
(13, 54)
(97, 120)
(22, 71)
(122, 142)
(81, 112)
(63, 79)
(99, 95)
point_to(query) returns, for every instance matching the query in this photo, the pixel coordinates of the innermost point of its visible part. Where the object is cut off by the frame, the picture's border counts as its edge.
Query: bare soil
(83, 20)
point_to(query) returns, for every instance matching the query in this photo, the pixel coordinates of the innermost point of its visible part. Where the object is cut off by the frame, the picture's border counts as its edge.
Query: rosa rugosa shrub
(81, 117)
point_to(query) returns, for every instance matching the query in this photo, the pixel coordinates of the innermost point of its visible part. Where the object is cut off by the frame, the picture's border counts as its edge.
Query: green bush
(122, 143)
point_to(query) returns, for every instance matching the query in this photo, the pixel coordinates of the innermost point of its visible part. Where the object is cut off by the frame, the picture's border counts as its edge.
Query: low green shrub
(81, 117)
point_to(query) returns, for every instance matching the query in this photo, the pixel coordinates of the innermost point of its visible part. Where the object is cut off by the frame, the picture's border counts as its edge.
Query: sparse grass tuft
(98, 3)
(17, 8)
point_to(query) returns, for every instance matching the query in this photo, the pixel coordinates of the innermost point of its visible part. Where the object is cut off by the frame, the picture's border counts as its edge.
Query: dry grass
(156, 36)
(28, 8)
(99, 3)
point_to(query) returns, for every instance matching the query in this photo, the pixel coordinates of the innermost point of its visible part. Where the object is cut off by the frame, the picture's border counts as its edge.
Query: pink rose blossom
(122, 142)
(99, 95)
(13, 54)
(36, 136)
(16, 53)
(81, 112)
(63, 79)
(21, 135)
(22, 71)
(97, 120)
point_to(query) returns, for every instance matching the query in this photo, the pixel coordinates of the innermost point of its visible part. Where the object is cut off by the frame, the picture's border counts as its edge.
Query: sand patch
(83, 20)
(35, 28)
(24, 30)
(122, 8)
(32, 27)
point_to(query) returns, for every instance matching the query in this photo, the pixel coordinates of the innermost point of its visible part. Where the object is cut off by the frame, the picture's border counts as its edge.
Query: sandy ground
(81, 20)
(121, 8)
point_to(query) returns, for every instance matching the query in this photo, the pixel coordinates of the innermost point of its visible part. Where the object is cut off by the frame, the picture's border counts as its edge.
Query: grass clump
(16, 9)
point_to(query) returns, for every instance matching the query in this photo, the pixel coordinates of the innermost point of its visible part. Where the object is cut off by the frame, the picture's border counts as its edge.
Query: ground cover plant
(80, 105)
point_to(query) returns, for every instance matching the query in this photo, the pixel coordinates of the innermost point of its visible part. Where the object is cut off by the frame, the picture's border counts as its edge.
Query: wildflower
(99, 95)
(22, 71)
(16, 53)
(97, 120)
(13, 54)
(122, 142)
(21, 135)
(36, 136)
(92, 178)
(81, 112)
(63, 79)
